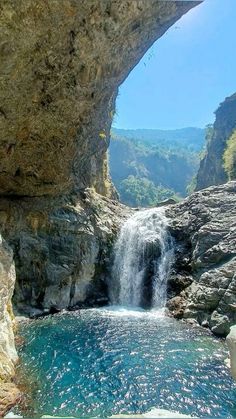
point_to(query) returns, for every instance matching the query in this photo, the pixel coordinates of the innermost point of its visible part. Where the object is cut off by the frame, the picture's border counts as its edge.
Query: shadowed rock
(61, 65)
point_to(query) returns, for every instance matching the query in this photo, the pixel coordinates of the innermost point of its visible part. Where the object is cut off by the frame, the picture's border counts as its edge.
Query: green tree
(142, 192)
(192, 185)
(229, 157)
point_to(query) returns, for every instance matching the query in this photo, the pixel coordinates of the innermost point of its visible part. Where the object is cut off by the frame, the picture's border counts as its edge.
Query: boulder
(231, 342)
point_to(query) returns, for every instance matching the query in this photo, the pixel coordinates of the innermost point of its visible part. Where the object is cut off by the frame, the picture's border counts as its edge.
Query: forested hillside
(148, 166)
(192, 138)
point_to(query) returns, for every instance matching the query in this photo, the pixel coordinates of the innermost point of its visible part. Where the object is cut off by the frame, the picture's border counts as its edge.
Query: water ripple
(108, 361)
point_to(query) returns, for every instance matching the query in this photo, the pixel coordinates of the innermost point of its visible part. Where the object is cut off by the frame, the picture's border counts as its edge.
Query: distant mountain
(190, 137)
(148, 166)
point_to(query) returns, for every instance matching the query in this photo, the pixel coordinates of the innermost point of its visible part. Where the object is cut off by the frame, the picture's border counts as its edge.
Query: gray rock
(231, 342)
(204, 228)
(219, 324)
(62, 251)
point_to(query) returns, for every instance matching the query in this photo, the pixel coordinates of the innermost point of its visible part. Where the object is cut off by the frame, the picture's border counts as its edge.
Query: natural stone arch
(61, 65)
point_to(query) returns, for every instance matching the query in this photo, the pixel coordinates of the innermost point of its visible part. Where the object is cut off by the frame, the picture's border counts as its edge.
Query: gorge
(62, 64)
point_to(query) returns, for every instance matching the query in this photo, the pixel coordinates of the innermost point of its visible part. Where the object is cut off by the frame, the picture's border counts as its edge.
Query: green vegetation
(142, 192)
(191, 187)
(146, 171)
(230, 157)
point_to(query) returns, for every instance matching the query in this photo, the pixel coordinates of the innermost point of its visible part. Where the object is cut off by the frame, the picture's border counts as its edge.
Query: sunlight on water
(102, 362)
(122, 311)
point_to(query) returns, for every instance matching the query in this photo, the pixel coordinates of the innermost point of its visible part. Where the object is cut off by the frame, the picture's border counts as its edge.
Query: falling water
(143, 257)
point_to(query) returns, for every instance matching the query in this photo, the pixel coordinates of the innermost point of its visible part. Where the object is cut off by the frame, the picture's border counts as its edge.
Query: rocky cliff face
(62, 63)
(211, 171)
(203, 282)
(61, 249)
(8, 356)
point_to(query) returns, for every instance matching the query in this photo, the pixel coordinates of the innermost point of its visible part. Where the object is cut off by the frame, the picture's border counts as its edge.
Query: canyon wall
(61, 65)
(211, 171)
(202, 286)
(8, 356)
(61, 249)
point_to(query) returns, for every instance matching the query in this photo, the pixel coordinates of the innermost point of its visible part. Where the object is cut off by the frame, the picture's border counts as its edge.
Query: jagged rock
(177, 283)
(204, 227)
(177, 306)
(9, 396)
(231, 342)
(211, 170)
(219, 324)
(8, 356)
(169, 201)
(62, 250)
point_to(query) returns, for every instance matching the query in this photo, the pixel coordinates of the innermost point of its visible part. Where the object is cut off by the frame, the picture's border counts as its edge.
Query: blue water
(101, 362)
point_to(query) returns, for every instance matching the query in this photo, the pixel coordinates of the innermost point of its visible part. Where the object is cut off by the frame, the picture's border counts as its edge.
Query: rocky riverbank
(202, 286)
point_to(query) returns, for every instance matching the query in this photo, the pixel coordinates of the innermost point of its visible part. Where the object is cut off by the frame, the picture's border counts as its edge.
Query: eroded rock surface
(204, 227)
(231, 342)
(8, 357)
(61, 248)
(211, 171)
(61, 65)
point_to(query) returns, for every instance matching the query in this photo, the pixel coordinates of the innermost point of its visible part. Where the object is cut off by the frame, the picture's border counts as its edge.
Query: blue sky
(185, 74)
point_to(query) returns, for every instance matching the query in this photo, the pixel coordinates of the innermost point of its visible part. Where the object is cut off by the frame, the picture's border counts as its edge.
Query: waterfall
(143, 255)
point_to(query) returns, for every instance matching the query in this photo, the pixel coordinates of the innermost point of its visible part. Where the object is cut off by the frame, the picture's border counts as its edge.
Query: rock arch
(61, 65)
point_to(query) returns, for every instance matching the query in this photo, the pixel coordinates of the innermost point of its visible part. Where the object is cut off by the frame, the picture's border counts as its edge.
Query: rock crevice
(204, 226)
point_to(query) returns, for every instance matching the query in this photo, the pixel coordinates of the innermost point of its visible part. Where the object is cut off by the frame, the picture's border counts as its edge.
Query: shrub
(229, 157)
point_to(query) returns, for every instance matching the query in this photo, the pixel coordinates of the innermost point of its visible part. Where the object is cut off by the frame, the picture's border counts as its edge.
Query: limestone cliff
(203, 282)
(211, 171)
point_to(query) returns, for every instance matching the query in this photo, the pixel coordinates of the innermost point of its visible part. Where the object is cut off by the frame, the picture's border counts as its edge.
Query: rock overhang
(61, 66)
